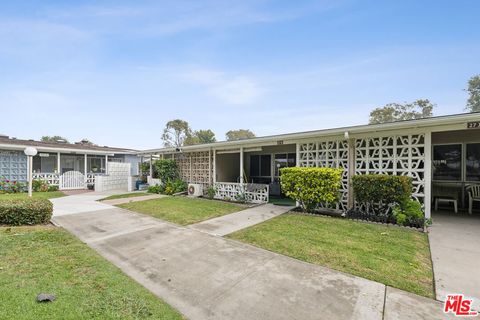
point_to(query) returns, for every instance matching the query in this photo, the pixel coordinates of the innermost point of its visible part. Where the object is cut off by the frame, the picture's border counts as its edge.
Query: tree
(473, 102)
(54, 139)
(175, 133)
(239, 134)
(87, 142)
(391, 112)
(200, 137)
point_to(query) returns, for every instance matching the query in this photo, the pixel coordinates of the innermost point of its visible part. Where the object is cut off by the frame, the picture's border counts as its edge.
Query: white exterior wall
(117, 178)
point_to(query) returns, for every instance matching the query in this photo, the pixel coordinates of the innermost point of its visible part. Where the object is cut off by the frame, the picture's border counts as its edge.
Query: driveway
(455, 247)
(210, 277)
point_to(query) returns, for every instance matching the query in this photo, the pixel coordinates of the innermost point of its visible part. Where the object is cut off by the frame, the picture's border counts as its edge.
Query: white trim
(62, 150)
(428, 175)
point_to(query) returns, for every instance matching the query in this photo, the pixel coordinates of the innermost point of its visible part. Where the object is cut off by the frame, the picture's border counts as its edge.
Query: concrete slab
(85, 202)
(239, 220)
(115, 202)
(209, 277)
(401, 305)
(455, 247)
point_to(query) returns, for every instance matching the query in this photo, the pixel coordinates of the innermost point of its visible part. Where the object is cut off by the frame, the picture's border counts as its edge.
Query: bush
(52, 188)
(156, 189)
(25, 211)
(311, 186)
(166, 170)
(379, 191)
(8, 186)
(408, 212)
(39, 185)
(175, 186)
(211, 192)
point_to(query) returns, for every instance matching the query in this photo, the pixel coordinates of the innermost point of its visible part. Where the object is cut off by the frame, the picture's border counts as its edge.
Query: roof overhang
(21, 147)
(441, 123)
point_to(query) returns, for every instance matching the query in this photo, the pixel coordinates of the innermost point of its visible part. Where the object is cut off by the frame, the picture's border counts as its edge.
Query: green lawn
(42, 195)
(394, 256)
(126, 195)
(50, 260)
(183, 210)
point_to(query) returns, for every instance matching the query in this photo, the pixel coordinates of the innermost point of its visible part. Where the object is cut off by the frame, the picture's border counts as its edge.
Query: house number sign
(473, 125)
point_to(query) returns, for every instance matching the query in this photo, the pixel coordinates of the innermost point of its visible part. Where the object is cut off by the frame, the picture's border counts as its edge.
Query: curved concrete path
(210, 277)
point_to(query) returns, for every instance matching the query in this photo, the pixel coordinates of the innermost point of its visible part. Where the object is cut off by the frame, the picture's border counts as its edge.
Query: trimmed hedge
(381, 188)
(311, 186)
(28, 211)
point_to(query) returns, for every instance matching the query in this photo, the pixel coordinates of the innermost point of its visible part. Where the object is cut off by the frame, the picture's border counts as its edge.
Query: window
(283, 160)
(473, 162)
(260, 165)
(447, 162)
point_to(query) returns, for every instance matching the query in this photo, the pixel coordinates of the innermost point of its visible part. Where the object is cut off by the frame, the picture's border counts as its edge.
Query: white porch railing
(250, 192)
(52, 179)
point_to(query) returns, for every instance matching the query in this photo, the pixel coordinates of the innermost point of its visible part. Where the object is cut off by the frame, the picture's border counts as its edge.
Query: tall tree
(473, 102)
(239, 134)
(200, 137)
(175, 133)
(421, 108)
(53, 139)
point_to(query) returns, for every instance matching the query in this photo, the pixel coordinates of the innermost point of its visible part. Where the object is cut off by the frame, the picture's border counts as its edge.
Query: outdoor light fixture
(30, 152)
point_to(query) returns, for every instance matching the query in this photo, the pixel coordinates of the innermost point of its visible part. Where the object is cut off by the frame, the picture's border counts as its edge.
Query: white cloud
(231, 89)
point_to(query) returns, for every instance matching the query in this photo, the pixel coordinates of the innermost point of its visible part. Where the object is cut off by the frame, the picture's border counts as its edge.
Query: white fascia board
(434, 124)
(55, 150)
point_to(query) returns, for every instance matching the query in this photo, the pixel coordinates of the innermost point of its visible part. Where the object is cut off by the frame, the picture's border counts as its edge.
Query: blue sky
(116, 71)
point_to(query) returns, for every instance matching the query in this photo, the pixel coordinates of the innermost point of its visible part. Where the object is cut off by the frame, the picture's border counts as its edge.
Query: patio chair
(473, 195)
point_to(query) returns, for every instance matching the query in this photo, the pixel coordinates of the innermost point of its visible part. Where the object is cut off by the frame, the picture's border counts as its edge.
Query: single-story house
(441, 154)
(56, 159)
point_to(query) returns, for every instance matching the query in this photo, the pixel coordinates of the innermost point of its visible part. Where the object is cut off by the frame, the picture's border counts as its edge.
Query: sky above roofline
(115, 72)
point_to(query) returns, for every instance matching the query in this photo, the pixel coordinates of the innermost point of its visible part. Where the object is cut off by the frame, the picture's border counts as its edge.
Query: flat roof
(6, 142)
(417, 123)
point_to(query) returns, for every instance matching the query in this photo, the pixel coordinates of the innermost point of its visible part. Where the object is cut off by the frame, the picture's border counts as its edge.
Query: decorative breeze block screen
(195, 167)
(394, 155)
(13, 165)
(328, 154)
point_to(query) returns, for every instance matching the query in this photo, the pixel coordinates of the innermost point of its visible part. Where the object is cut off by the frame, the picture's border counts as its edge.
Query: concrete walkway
(240, 220)
(455, 247)
(210, 277)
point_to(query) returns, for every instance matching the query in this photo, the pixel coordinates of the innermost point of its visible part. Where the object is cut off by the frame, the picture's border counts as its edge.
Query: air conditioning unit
(195, 190)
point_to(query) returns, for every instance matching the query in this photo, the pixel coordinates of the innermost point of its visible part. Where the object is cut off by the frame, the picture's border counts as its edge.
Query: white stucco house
(441, 154)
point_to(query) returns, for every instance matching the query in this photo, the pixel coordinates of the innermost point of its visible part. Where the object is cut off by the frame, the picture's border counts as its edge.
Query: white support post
(151, 166)
(214, 166)
(241, 165)
(297, 154)
(427, 176)
(30, 170)
(106, 164)
(209, 166)
(59, 171)
(85, 169)
(351, 172)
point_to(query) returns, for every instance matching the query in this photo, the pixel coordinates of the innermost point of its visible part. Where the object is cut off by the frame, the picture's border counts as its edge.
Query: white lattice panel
(195, 167)
(51, 178)
(394, 155)
(328, 154)
(253, 192)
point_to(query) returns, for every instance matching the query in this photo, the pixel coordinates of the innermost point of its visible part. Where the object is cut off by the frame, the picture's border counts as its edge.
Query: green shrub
(211, 192)
(9, 186)
(52, 188)
(408, 211)
(27, 211)
(39, 185)
(175, 186)
(166, 170)
(156, 189)
(311, 186)
(378, 191)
